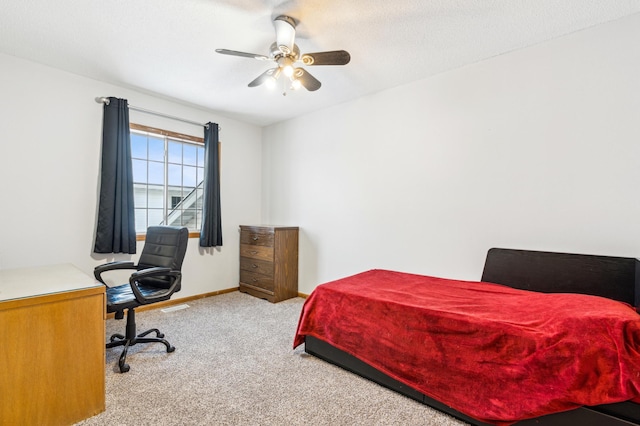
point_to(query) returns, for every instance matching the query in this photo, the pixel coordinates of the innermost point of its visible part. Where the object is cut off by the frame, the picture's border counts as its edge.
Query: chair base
(131, 338)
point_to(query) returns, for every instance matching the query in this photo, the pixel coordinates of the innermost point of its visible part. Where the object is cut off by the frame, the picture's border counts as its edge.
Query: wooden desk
(52, 352)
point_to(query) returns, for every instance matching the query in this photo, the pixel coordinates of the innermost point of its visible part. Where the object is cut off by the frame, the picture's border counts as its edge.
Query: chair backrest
(164, 246)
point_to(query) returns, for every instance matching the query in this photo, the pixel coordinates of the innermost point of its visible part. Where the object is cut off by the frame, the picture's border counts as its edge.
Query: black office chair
(158, 275)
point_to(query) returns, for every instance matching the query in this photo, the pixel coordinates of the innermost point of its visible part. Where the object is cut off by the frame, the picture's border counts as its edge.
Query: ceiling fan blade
(243, 54)
(308, 81)
(334, 57)
(265, 76)
(285, 33)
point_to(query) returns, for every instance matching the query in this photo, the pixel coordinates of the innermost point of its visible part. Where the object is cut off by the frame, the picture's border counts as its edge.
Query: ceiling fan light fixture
(273, 79)
(286, 65)
(270, 83)
(295, 84)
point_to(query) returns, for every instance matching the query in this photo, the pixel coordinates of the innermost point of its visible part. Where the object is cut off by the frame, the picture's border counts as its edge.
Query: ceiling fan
(285, 53)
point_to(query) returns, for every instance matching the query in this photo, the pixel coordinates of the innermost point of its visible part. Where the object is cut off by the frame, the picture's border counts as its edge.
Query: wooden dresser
(269, 262)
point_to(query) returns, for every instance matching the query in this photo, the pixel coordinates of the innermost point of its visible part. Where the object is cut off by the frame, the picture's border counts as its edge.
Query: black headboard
(613, 277)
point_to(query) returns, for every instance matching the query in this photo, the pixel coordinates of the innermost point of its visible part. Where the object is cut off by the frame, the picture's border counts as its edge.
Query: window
(175, 201)
(168, 173)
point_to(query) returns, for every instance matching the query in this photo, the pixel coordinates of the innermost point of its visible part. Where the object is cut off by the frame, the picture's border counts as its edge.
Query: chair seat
(121, 297)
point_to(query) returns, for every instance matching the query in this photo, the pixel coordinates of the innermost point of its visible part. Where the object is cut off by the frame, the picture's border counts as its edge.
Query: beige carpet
(234, 365)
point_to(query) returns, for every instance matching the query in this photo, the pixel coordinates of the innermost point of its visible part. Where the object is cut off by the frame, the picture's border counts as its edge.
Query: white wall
(535, 149)
(50, 135)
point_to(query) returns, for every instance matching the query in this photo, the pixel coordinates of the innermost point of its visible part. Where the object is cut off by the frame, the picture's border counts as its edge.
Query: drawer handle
(256, 238)
(255, 280)
(254, 252)
(253, 265)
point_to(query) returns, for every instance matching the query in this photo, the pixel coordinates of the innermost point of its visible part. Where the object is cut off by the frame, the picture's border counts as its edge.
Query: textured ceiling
(167, 47)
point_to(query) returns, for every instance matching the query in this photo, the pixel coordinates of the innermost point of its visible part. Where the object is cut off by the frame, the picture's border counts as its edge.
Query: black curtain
(211, 230)
(115, 230)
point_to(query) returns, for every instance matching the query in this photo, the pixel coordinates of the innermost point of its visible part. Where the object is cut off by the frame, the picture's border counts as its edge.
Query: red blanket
(492, 352)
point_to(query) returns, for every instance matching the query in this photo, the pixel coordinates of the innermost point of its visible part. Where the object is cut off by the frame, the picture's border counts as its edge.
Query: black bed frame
(613, 277)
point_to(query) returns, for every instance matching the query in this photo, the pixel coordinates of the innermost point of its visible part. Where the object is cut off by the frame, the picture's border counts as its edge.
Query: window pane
(189, 153)
(139, 170)
(156, 173)
(199, 195)
(198, 219)
(156, 149)
(175, 171)
(138, 146)
(155, 196)
(189, 176)
(155, 217)
(200, 176)
(188, 198)
(201, 156)
(175, 152)
(189, 218)
(141, 220)
(139, 196)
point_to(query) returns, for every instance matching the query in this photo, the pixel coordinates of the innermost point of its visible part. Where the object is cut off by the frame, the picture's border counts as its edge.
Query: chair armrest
(112, 266)
(175, 276)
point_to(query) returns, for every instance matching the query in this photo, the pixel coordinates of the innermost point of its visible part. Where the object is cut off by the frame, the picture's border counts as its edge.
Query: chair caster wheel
(124, 368)
(171, 348)
(160, 335)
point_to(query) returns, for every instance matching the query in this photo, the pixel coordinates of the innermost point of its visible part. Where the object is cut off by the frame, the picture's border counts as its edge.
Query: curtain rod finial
(102, 100)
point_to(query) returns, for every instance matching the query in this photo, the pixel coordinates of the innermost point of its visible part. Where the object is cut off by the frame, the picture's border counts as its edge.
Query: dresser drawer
(257, 280)
(256, 266)
(256, 252)
(257, 237)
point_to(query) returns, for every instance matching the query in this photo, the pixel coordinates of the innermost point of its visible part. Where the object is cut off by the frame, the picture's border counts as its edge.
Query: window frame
(170, 134)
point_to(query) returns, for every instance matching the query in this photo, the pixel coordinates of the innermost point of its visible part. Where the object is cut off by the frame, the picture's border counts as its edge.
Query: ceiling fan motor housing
(285, 34)
(275, 52)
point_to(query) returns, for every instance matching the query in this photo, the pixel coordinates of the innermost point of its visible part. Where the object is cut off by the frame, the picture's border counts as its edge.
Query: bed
(544, 338)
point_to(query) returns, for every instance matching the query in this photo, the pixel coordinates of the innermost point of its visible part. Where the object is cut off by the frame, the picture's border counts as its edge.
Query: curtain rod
(104, 100)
